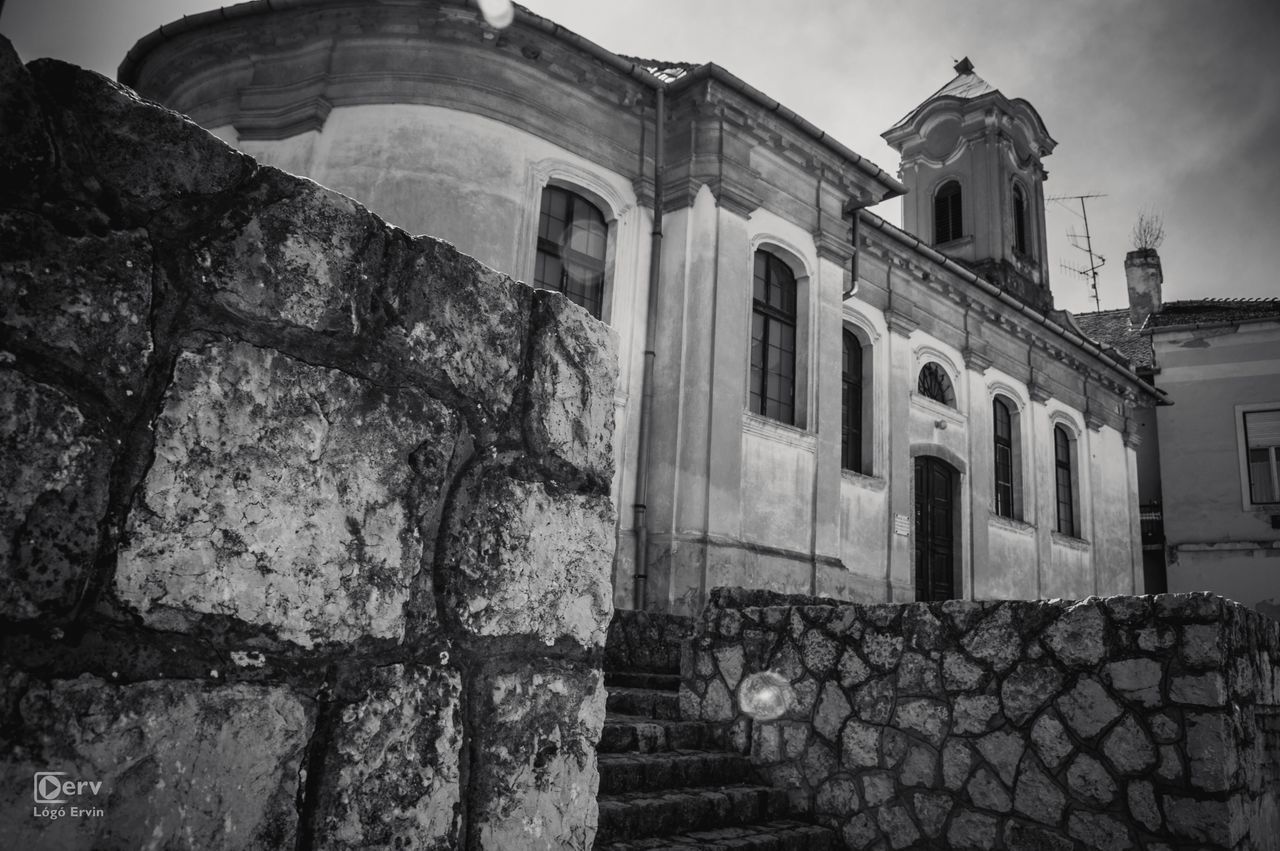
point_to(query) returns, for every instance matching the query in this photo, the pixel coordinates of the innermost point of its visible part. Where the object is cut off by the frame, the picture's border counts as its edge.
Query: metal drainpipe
(640, 506)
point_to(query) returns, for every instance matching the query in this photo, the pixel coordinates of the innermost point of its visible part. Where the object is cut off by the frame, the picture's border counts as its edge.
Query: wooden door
(935, 529)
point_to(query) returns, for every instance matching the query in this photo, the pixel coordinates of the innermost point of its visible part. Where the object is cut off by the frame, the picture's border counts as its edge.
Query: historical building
(1208, 474)
(810, 399)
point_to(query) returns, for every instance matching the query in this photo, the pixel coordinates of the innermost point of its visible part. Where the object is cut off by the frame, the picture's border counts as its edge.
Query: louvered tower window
(1019, 220)
(948, 224)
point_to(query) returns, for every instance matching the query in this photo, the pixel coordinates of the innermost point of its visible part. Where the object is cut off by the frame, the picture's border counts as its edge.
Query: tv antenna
(1096, 261)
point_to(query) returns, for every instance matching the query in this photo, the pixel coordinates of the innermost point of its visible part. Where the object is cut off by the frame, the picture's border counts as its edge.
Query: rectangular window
(1064, 480)
(773, 339)
(1262, 445)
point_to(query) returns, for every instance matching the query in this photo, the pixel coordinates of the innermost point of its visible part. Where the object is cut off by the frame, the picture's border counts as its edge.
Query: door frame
(961, 532)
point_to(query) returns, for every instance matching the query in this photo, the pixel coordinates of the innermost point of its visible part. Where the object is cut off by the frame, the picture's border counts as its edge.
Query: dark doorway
(935, 529)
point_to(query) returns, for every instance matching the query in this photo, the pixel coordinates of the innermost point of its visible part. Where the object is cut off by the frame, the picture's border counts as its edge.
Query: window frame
(1021, 229)
(1004, 492)
(1066, 475)
(1246, 468)
(951, 193)
(550, 248)
(768, 316)
(854, 453)
(947, 385)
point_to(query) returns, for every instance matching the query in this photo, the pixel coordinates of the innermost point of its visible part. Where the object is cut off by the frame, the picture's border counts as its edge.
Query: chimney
(1143, 275)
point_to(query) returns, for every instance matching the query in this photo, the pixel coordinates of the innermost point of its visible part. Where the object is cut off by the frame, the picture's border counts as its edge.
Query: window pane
(1262, 429)
(1262, 488)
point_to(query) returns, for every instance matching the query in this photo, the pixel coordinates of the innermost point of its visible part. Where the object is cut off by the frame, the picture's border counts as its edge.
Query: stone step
(648, 702)
(635, 815)
(780, 835)
(634, 772)
(669, 681)
(635, 733)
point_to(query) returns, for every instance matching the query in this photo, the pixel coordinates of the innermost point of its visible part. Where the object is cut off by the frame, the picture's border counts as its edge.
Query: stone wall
(1126, 722)
(306, 525)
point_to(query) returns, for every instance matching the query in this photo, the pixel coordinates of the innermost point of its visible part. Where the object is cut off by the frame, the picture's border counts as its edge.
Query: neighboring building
(1208, 470)
(908, 419)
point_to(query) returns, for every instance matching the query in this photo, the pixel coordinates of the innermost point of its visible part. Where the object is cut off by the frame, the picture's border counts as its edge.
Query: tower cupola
(971, 162)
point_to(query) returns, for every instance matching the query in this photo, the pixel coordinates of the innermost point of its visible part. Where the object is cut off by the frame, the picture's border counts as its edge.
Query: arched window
(934, 384)
(948, 224)
(571, 248)
(1064, 477)
(773, 339)
(851, 404)
(1019, 220)
(1002, 420)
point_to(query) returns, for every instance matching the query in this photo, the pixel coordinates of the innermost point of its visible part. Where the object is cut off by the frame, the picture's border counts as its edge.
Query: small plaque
(901, 525)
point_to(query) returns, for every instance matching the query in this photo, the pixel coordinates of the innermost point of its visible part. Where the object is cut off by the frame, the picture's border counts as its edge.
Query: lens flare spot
(765, 696)
(497, 13)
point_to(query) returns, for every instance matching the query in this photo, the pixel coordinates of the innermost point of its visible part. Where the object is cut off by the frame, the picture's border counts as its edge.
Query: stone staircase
(664, 782)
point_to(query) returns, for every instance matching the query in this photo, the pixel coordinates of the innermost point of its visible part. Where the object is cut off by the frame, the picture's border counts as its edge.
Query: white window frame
(1242, 451)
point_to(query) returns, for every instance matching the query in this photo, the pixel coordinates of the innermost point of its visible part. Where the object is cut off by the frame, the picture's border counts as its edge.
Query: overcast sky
(1172, 105)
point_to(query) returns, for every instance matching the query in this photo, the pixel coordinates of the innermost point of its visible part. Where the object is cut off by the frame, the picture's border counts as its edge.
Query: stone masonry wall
(1127, 722)
(306, 527)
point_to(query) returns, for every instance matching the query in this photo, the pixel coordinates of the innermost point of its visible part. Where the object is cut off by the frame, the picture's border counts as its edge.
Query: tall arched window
(773, 339)
(1064, 477)
(1002, 420)
(571, 248)
(934, 384)
(851, 404)
(948, 223)
(1019, 220)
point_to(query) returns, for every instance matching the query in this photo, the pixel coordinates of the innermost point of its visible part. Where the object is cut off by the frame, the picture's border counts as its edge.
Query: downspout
(640, 506)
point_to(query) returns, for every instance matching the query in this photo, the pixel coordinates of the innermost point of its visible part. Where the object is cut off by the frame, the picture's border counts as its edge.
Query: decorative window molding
(778, 364)
(583, 182)
(933, 382)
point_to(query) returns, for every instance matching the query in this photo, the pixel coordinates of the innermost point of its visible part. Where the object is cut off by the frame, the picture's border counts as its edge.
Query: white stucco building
(810, 399)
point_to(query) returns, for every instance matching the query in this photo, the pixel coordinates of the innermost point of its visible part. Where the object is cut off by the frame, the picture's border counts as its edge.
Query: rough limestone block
(391, 776)
(141, 156)
(1213, 751)
(1028, 687)
(1089, 781)
(995, 641)
(1129, 748)
(55, 466)
(1087, 708)
(972, 830)
(1099, 831)
(180, 766)
(527, 560)
(533, 777)
(571, 387)
(1078, 637)
(85, 300)
(26, 152)
(1137, 680)
(281, 494)
(1037, 796)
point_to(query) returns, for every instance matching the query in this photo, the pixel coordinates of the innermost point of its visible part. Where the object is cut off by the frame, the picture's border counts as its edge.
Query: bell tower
(971, 162)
